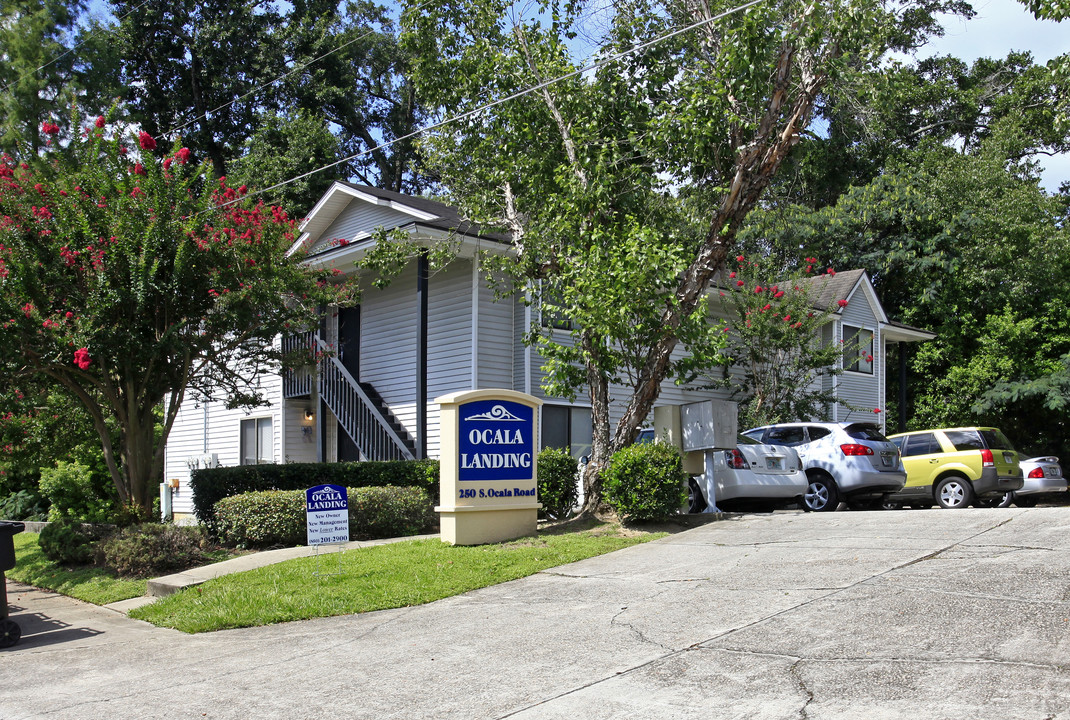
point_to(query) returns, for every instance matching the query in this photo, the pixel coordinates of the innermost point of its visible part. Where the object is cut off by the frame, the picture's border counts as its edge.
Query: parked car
(853, 462)
(749, 472)
(955, 467)
(1040, 476)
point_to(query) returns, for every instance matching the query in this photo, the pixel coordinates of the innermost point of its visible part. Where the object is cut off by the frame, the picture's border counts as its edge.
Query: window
(923, 444)
(965, 439)
(816, 432)
(857, 349)
(551, 312)
(567, 427)
(790, 436)
(256, 441)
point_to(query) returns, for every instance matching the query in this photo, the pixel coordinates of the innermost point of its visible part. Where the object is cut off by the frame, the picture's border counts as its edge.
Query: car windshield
(996, 440)
(865, 431)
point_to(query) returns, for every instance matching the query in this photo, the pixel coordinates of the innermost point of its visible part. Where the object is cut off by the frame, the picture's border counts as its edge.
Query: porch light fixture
(308, 414)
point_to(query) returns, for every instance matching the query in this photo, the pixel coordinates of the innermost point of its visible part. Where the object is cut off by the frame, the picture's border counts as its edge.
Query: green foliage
(386, 576)
(76, 493)
(646, 481)
(68, 541)
(151, 549)
(277, 517)
(88, 583)
(129, 275)
(210, 485)
(261, 519)
(23, 505)
(776, 344)
(557, 483)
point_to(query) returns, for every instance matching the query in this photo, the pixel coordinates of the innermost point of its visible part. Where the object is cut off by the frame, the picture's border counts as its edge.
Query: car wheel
(821, 495)
(696, 501)
(1024, 501)
(953, 493)
(996, 501)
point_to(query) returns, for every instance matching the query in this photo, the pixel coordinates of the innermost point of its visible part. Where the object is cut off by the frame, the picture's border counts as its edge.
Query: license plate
(774, 463)
(886, 459)
(1009, 458)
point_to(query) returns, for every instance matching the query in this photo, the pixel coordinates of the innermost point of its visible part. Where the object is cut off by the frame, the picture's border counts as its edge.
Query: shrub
(67, 541)
(385, 512)
(262, 519)
(75, 493)
(645, 481)
(23, 505)
(210, 485)
(151, 549)
(557, 483)
(277, 517)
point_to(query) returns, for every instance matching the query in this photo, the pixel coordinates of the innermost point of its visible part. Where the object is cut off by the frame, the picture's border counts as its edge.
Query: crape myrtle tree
(778, 354)
(128, 278)
(623, 187)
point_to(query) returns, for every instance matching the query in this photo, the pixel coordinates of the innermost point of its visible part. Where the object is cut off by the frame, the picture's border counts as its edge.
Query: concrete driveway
(909, 614)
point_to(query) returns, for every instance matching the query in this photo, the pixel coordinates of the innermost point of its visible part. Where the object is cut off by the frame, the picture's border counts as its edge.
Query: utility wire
(285, 75)
(513, 96)
(74, 47)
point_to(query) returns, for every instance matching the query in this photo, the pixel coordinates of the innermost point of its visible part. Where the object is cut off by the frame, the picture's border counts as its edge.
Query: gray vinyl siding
(388, 345)
(449, 340)
(359, 217)
(520, 328)
(495, 357)
(857, 389)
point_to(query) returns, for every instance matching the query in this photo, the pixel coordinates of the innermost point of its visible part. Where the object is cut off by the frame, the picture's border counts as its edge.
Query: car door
(921, 458)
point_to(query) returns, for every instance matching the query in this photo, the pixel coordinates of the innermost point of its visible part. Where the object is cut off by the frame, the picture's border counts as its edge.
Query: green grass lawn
(374, 578)
(92, 584)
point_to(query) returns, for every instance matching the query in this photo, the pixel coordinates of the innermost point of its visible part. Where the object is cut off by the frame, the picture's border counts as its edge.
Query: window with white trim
(256, 441)
(567, 427)
(857, 349)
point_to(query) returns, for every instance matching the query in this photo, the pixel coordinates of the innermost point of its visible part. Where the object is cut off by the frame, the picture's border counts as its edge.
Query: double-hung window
(857, 349)
(256, 441)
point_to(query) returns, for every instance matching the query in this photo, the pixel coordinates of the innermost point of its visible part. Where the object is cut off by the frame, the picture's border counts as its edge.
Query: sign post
(488, 478)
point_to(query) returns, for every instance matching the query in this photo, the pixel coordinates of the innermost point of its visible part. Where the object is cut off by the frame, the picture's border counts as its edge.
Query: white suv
(853, 462)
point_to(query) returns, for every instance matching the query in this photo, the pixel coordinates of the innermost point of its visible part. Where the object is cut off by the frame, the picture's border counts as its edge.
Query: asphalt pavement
(908, 614)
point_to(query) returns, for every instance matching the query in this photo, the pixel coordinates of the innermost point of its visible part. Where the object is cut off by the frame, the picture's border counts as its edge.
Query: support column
(422, 274)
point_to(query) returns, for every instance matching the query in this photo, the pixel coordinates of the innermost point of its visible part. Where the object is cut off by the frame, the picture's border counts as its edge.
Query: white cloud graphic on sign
(498, 412)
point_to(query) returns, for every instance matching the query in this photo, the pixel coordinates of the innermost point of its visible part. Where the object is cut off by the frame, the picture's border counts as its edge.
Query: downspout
(422, 273)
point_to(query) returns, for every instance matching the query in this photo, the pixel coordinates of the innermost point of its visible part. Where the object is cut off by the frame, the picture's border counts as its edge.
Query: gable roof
(418, 213)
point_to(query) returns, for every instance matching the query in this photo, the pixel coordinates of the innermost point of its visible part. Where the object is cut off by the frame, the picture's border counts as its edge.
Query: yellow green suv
(955, 467)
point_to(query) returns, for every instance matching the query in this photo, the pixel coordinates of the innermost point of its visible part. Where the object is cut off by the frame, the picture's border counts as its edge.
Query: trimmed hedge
(277, 517)
(210, 485)
(645, 481)
(557, 483)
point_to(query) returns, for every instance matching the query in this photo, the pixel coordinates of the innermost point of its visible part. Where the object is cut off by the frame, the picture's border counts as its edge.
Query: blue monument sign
(488, 466)
(496, 441)
(327, 514)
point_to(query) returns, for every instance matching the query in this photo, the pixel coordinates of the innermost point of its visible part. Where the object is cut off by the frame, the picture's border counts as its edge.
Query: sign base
(487, 524)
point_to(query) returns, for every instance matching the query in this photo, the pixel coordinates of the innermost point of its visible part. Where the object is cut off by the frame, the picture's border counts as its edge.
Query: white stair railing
(355, 411)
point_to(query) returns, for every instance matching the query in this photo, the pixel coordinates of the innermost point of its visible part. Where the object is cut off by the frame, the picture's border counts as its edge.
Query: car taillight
(735, 460)
(986, 458)
(1036, 473)
(855, 449)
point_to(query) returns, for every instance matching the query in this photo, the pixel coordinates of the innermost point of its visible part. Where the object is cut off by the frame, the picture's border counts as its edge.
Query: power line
(285, 75)
(513, 96)
(74, 47)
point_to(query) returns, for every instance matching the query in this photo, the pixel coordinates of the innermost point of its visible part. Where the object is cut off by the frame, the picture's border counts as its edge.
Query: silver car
(749, 472)
(1041, 475)
(852, 462)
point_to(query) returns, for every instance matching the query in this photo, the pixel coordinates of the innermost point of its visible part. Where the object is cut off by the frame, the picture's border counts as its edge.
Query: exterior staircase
(360, 410)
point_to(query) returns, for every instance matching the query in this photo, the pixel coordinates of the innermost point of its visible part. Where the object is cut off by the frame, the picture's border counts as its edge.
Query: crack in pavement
(908, 660)
(794, 672)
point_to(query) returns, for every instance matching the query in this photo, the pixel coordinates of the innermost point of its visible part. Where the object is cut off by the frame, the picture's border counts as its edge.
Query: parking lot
(920, 614)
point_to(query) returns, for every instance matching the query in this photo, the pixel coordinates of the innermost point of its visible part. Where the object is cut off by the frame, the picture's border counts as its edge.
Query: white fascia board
(893, 333)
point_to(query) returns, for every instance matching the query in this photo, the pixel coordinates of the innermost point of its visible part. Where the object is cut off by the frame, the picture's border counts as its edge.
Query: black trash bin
(10, 632)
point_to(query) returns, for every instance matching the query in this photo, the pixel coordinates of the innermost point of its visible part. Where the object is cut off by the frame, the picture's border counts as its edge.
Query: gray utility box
(708, 425)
